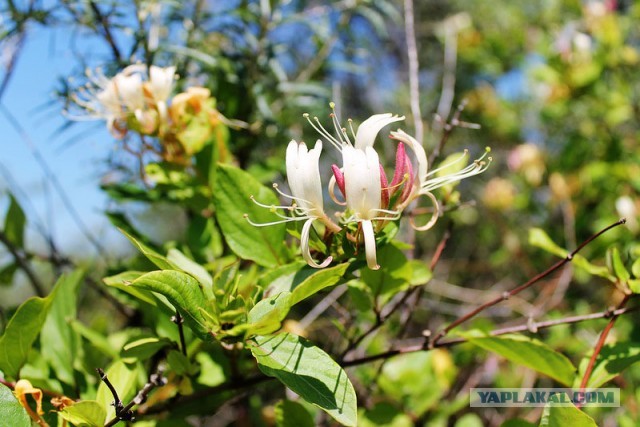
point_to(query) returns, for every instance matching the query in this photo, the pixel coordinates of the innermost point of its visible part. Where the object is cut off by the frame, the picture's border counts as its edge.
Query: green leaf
(292, 414)
(317, 281)
(267, 315)
(7, 272)
(96, 339)
(517, 422)
(58, 340)
(85, 413)
(394, 275)
(14, 223)
(635, 268)
(123, 377)
(20, 333)
(264, 245)
(618, 266)
(596, 270)
(539, 238)
(123, 280)
(160, 261)
(527, 352)
(421, 273)
(563, 416)
(183, 291)
(12, 411)
(612, 360)
(143, 348)
(187, 265)
(309, 372)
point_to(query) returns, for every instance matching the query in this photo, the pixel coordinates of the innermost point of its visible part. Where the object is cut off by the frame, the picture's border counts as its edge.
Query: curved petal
(421, 155)
(304, 246)
(367, 131)
(303, 175)
(370, 244)
(161, 82)
(362, 180)
(434, 216)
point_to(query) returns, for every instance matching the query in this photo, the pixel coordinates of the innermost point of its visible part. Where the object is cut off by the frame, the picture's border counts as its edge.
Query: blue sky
(45, 57)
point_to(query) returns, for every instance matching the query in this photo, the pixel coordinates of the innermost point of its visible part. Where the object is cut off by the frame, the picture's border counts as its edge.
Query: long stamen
(271, 207)
(351, 127)
(322, 131)
(266, 224)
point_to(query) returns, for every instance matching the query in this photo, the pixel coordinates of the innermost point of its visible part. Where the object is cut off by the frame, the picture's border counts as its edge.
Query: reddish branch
(601, 340)
(529, 283)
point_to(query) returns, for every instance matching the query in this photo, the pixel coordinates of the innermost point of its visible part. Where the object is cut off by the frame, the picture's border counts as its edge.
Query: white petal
(362, 180)
(368, 130)
(304, 246)
(370, 245)
(130, 90)
(303, 176)
(161, 82)
(419, 152)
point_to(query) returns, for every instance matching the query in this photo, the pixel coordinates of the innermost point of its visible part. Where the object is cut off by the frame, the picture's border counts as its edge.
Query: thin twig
(414, 68)
(155, 380)
(106, 30)
(24, 265)
(117, 403)
(601, 340)
(532, 327)
(179, 320)
(530, 282)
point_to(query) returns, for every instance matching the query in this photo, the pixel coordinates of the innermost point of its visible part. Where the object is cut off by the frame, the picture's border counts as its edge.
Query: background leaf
(264, 245)
(84, 413)
(12, 412)
(292, 414)
(564, 416)
(58, 340)
(612, 360)
(528, 352)
(14, 223)
(309, 372)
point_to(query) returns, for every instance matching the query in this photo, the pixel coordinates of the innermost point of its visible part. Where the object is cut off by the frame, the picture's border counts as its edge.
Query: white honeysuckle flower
(369, 198)
(363, 191)
(161, 82)
(303, 176)
(129, 87)
(160, 85)
(429, 181)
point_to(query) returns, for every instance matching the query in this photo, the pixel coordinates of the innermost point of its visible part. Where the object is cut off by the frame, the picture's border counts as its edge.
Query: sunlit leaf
(309, 372)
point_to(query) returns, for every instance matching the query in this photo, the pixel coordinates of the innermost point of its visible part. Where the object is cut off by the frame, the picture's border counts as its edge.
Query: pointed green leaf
(635, 268)
(14, 223)
(85, 413)
(618, 266)
(309, 372)
(21, 332)
(267, 315)
(12, 411)
(564, 416)
(183, 291)
(527, 352)
(539, 238)
(160, 261)
(317, 281)
(232, 197)
(612, 360)
(187, 265)
(58, 340)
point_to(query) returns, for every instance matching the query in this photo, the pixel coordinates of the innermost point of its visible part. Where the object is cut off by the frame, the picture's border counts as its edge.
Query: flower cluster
(367, 196)
(135, 97)
(139, 99)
